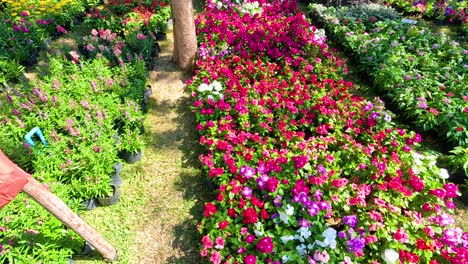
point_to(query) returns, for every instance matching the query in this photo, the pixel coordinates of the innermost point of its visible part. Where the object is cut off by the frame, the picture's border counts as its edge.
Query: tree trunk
(185, 40)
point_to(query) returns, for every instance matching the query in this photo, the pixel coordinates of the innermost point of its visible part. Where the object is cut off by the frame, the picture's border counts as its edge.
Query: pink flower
(323, 256)
(62, 30)
(90, 47)
(215, 257)
(141, 36)
(250, 259)
(401, 236)
(207, 243)
(250, 239)
(219, 243)
(265, 245)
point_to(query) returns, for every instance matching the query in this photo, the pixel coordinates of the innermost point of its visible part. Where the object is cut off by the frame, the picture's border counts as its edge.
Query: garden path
(168, 231)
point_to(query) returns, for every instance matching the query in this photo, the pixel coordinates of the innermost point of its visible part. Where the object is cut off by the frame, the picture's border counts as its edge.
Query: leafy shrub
(420, 72)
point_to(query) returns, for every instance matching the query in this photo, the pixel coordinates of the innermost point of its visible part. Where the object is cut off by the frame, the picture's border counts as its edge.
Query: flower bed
(451, 10)
(307, 172)
(420, 72)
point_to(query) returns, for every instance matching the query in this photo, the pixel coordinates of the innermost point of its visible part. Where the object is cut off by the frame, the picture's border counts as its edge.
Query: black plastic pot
(110, 200)
(90, 204)
(161, 36)
(131, 157)
(116, 179)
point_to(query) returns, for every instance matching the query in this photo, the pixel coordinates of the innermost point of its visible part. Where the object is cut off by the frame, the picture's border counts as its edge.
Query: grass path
(163, 195)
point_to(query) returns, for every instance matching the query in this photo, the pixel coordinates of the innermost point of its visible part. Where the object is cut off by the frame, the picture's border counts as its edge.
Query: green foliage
(10, 70)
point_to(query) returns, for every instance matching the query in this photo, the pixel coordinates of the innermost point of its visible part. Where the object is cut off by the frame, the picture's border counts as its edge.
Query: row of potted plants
(126, 17)
(26, 27)
(306, 171)
(86, 109)
(420, 72)
(87, 120)
(451, 10)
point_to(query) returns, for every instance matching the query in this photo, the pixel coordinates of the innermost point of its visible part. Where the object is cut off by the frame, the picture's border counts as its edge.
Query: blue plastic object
(35, 131)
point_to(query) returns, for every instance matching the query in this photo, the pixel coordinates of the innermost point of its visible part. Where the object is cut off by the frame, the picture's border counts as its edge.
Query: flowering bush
(134, 47)
(307, 172)
(124, 16)
(51, 10)
(21, 38)
(452, 10)
(420, 72)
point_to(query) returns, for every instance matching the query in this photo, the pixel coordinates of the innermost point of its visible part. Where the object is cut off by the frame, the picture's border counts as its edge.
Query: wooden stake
(60, 210)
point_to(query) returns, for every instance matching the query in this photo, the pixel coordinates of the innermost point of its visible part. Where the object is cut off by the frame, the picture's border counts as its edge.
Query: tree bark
(185, 39)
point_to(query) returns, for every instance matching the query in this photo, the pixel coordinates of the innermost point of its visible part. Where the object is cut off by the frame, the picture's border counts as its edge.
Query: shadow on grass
(195, 185)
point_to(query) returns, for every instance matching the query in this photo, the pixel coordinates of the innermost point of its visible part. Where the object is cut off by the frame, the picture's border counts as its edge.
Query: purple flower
(368, 107)
(422, 105)
(407, 77)
(342, 235)
(452, 236)
(321, 169)
(374, 115)
(278, 201)
(356, 244)
(350, 220)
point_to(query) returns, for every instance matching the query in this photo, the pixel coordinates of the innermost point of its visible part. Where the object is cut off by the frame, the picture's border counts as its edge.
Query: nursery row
(122, 31)
(421, 73)
(306, 171)
(73, 124)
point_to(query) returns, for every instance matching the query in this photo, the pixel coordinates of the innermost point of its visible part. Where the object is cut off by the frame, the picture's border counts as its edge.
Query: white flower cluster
(212, 91)
(320, 36)
(251, 7)
(427, 162)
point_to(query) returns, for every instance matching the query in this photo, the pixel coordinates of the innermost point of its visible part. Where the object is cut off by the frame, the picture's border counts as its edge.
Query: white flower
(217, 86)
(289, 209)
(284, 258)
(390, 256)
(286, 239)
(258, 232)
(330, 238)
(418, 158)
(298, 237)
(203, 87)
(301, 249)
(283, 217)
(210, 96)
(305, 233)
(444, 174)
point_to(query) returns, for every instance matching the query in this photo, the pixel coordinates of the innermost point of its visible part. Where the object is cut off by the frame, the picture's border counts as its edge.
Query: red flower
(264, 214)
(223, 224)
(250, 216)
(210, 210)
